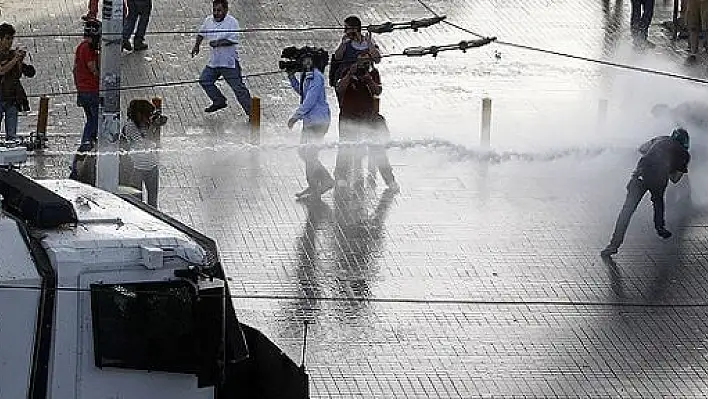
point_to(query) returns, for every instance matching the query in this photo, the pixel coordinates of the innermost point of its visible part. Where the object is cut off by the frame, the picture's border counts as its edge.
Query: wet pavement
(482, 276)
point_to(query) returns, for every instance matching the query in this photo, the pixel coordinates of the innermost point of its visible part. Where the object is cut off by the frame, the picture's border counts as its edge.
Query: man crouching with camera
(315, 116)
(139, 138)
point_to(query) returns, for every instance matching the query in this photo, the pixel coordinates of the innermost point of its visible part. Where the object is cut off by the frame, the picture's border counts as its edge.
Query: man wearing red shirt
(359, 119)
(86, 77)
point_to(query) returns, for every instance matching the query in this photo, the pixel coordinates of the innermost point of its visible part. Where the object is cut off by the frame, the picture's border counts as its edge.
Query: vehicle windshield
(147, 326)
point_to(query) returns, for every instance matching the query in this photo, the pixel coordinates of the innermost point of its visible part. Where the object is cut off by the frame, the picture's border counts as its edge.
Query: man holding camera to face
(139, 138)
(315, 116)
(359, 120)
(353, 43)
(13, 98)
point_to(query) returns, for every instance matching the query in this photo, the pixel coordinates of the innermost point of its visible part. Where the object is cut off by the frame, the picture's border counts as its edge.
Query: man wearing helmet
(663, 158)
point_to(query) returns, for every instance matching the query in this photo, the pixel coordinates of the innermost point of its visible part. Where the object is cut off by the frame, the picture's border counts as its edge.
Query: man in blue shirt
(315, 116)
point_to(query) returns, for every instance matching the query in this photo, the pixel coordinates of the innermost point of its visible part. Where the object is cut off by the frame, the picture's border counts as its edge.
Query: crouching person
(139, 138)
(663, 158)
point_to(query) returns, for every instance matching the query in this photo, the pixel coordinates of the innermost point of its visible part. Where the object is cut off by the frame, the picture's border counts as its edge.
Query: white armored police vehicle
(104, 297)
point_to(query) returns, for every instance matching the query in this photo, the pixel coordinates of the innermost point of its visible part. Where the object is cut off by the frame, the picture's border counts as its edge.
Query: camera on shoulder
(295, 57)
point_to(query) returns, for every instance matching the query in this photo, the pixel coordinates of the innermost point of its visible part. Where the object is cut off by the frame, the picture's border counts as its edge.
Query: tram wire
(418, 301)
(315, 28)
(568, 55)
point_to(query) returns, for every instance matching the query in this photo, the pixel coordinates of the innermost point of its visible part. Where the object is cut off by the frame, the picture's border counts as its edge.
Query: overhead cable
(392, 300)
(572, 56)
(385, 27)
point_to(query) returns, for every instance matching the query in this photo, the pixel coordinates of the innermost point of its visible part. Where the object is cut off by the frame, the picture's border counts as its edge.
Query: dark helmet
(681, 135)
(92, 28)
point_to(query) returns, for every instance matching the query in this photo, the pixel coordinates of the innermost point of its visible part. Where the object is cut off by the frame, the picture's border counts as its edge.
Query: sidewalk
(478, 279)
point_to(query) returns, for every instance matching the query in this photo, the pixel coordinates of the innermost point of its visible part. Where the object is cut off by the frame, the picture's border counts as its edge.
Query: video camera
(156, 118)
(295, 56)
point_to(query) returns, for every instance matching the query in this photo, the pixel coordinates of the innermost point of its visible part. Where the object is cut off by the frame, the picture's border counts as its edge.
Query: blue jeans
(89, 102)
(233, 78)
(8, 111)
(642, 14)
(137, 9)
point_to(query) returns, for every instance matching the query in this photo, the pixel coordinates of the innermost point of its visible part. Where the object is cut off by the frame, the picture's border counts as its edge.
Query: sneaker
(609, 251)
(691, 60)
(126, 45)
(663, 233)
(215, 107)
(140, 46)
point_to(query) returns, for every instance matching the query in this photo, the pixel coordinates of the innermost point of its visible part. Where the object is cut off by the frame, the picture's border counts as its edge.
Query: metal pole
(107, 163)
(42, 120)
(675, 27)
(255, 138)
(485, 136)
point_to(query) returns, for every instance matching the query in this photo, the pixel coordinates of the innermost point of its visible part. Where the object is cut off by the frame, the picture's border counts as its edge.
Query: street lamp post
(109, 116)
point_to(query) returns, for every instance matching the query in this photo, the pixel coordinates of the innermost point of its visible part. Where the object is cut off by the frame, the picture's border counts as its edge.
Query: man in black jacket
(663, 158)
(12, 67)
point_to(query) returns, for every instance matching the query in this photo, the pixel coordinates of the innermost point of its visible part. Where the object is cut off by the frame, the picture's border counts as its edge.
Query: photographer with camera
(360, 120)
(313, 112)
(13, 98)
(139, 137)
(353, 43)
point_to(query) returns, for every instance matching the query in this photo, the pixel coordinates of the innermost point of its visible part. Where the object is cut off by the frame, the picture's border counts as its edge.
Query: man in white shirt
(220, 30)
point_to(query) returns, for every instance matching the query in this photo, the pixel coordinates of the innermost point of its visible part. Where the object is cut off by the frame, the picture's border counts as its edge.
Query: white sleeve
(204, 28)
(232, 36)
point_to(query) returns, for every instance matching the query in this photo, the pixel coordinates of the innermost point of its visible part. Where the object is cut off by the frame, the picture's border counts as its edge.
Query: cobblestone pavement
(480, 278)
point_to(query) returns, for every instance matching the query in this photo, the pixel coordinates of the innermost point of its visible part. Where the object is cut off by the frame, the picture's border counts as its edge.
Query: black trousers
(642, 14)
(636, 188)
(138, 13)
